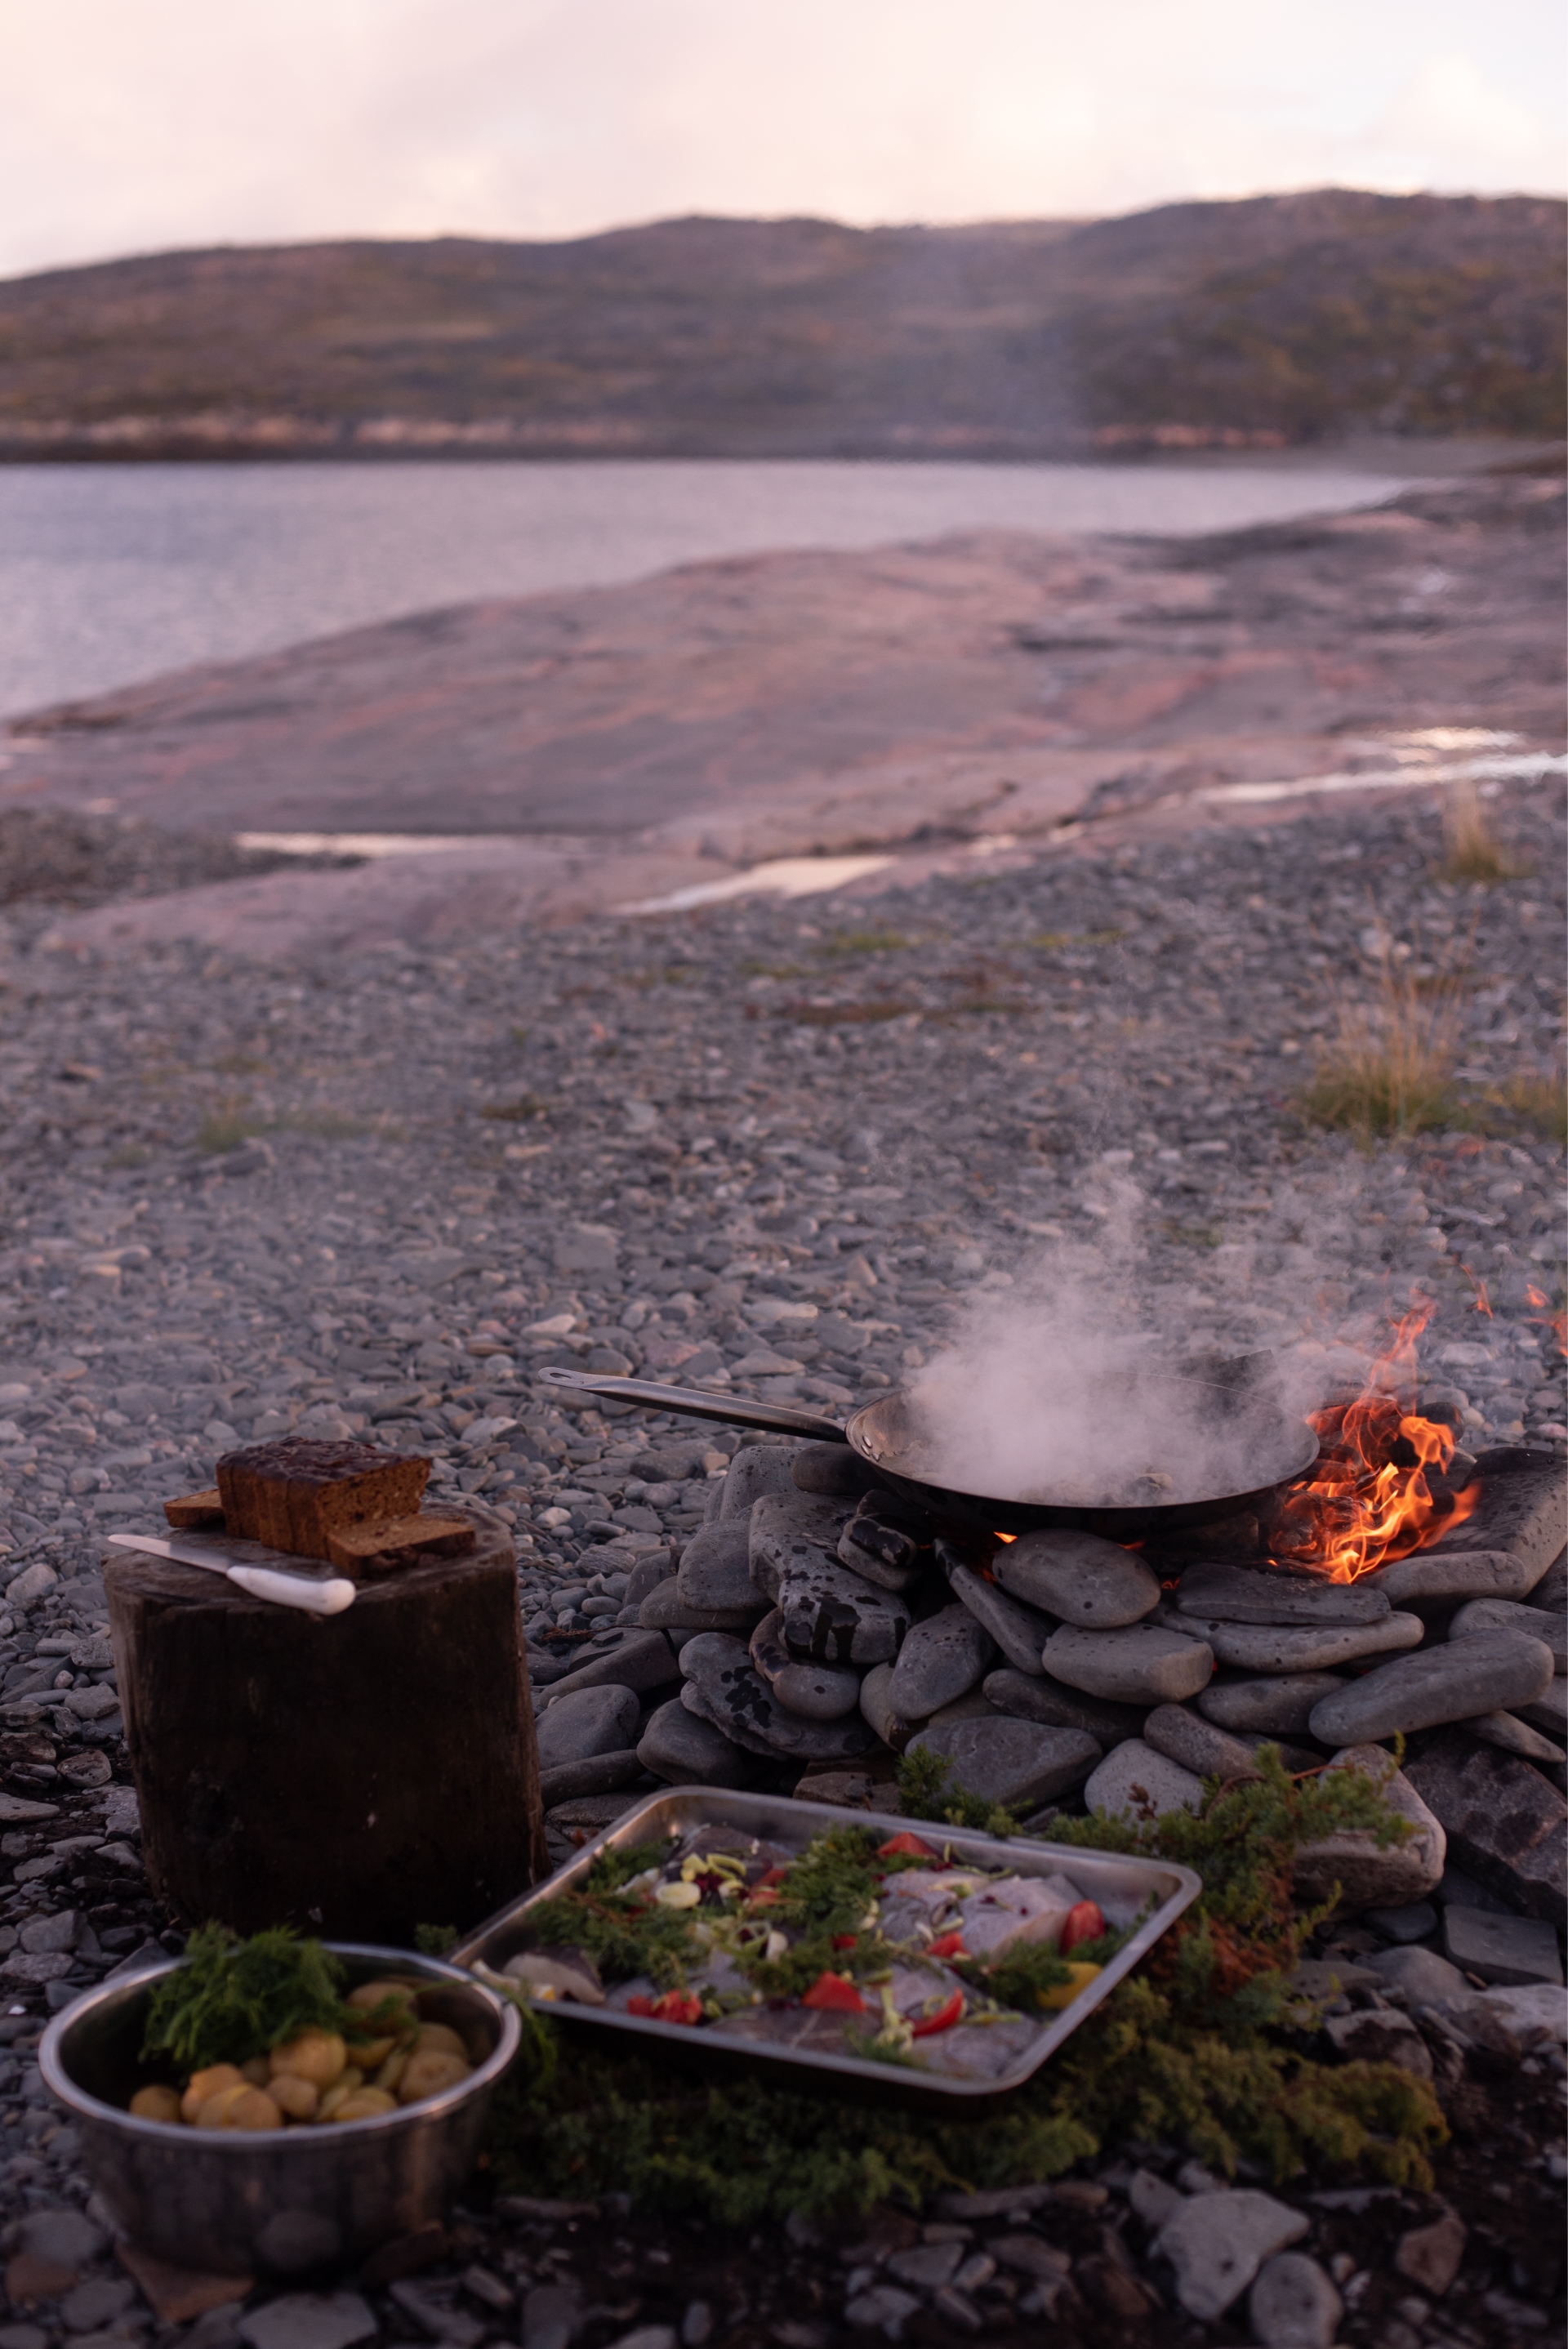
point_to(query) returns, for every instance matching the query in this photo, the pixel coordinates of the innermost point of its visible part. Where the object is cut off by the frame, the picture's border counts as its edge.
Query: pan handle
(697, 1403)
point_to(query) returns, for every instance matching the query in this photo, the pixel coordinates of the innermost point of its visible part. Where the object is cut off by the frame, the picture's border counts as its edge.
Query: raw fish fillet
(1016, 1908)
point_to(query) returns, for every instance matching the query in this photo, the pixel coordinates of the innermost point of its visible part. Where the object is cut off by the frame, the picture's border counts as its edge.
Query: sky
(135, 126)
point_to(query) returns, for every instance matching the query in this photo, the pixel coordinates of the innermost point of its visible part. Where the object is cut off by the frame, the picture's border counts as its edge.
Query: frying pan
(883, 1432)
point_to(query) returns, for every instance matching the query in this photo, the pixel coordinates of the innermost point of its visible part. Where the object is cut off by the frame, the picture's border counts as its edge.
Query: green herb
(622, 1936)
(435, 1940)
(1019, 1975)
(924, 1793)
(232, 1999)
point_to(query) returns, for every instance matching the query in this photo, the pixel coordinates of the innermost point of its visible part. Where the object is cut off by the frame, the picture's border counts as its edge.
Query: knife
(264, 1573)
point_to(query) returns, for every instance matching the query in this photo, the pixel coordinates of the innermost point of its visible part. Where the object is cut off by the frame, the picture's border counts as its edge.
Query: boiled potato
(317, 2055)
(437, 2036)
(368, 2053)
(156, 2104)
(392, 2071)
(207, 2083)
(297, 2098)
(427, 2072)
(371, 1993)
(364, 2104)
(256, 2071)
(213, 2112)
(253, 2108)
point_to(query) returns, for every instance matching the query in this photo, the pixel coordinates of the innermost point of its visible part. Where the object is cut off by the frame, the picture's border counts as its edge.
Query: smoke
(1094, 1375)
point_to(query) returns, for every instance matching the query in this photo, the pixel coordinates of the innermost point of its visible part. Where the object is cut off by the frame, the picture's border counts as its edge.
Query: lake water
(112, 573)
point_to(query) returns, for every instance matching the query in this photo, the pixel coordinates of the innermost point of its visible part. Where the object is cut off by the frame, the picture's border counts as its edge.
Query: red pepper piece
(1084, 1923)
(773, 1876)
(904, 1847)
(639, 2006)
(845, 1940)
(833, 1993)
(943, 2020)
(951, 1945)
(678, 2007)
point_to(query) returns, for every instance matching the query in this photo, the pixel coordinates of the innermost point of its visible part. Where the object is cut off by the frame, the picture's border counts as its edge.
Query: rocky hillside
(1279, 319)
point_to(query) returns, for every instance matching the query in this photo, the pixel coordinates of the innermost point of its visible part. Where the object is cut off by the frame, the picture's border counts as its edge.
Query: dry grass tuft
(1537, 1104)
(1474, 851)
(1390, 1069)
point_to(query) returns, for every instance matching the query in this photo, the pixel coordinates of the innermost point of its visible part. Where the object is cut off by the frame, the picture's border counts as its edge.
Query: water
(108, 574)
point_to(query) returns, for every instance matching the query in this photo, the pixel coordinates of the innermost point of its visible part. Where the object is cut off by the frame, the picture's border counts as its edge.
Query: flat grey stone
(833, 1617)
(789, 1529)
(1028, 1697)
(1369, 1875)
(590, 1721)
(1289, 1649)
(1453, 1574)
(60, 1931)
(894, 1729)
(97, 2303)
(1507, 1952)
(1267, 1708)
(819, 1691)
(685, 1751)
(1153, 2200)
(1506, 1825)
(715, 1569)
(1011, 1762)
(1019, 1632)
(1425, 1978)
(1413, 1923)
(1217, 2243)
(638, 1659)
(1197, 1744)
(1143, 1664)
(1134, 1778)
(835, 1469)
(1551, 1593)
(308, 2320)
(888, 1574)
(1494, 1672)
(941, 1659)
(664, 1610)
(1239, 1594)
(1294, 2304)
(1513, 1615)
(1549, 1712)
(755, 1469)
(65, 2238)
(1511, 1735)
(720, 1686)
(882, 2309)
(1522, 1510)
(1080, 1579)
(596, 1773)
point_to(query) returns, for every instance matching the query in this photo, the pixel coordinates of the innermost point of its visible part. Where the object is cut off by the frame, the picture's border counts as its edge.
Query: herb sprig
(232, 1999)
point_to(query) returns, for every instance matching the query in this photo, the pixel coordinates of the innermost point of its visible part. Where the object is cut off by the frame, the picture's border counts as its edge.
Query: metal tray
(1122, 1885)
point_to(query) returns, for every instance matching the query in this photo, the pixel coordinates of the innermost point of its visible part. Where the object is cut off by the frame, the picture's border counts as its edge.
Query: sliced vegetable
(675, 2006)
(951, 1945)
(834, 1995)
(1084, 1923)
(943, 2020)
(905, 1847)
(1062, 1994)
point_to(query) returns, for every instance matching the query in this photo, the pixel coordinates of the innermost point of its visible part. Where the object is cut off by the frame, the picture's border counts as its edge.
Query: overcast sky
(132, 126)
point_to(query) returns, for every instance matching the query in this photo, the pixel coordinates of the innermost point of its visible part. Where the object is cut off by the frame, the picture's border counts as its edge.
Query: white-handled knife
(262, 1572)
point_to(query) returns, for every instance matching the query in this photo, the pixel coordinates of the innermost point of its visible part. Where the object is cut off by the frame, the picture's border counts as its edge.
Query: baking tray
(1123, 1887)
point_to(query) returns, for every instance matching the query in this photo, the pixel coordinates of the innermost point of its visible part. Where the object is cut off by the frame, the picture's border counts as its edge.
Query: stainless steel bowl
(276, 2202)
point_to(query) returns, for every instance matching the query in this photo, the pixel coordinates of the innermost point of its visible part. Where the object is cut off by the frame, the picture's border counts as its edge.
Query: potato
(337, 2095)
(437, 2036)
(348, 2079)
(369, 2054)
(365, 2103)
(429, 2071)
(207, 2083)
(371, 1993)
(297, 2098)
(253, 2108)
(317, 2055)
(156, 2104)
(211, 2114)
(392, 2071)
(256, 2071)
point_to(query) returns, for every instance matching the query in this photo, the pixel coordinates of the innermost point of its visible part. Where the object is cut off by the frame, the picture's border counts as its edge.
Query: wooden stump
(354, 1776)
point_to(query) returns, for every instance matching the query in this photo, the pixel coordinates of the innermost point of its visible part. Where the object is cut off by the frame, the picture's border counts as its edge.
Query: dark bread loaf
(293, 1494)
(380, 1545)
(196, 1512)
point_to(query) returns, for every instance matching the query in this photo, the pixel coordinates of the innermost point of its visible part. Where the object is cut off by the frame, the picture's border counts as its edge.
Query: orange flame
(1369, 1499)
(1556, 1322)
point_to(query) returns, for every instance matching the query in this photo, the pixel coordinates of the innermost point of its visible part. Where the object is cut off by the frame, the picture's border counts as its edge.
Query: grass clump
(1201, 2046)
(1390, 1069)
(1474, 852)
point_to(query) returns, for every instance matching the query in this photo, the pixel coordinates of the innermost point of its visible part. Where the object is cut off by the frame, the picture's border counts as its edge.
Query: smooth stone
(1288, 1649)
(886, 1573)
(1514, 2022)
(1294, 2304)
(1380, 2036)
(1511, 1735)
(789, 1530)
(1413, 1923)
(1512, 1615)
(835, 1469)
(877, 1708)
(973, 1706)
(309, 2320)
(663, 1610)
(65, 2239)
(1549, 1712)
(1369, 1876)
(1454, 1574)
(1019, 1632)
(590, 1721)
(1136, 1779)
(1196, 1745)
(1424, 1977)
(638, 1659)
(1148, 1666)
(1011, 1762)
(1507, 1827)
(597, 1774)
(715, 1569)
(1522, 1510)
(1030, 1697)
(831, 1616)
(887, 1539)
(757, 1469)
(722, 1687)
(1217, 2243)
(820, 1692)
(1237, 1594)
(1093, 1584)
(1505, 1951)
(1492, 1673)
(1550, 1595)
(942, 1658)
(1270, 1707)
(683, 1750)
(1431, 2257)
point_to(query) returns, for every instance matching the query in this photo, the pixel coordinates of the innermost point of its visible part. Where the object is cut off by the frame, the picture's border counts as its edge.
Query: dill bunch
(231, 1999)
(622, 1938)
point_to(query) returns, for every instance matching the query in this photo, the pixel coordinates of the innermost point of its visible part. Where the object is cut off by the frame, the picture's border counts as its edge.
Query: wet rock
(1234, 1594)
(1369, 1875)
(1431, 2256)
(941, 1659)
(790, 1530)
(1488, 1672)
(683, 1750)
(1380, 2036)
(833, 1469)
(1137, 1780)
(1012, 1762)
(1424, 1977)
(715, 1570)
(720, 1686)
(1029, 1697)
(1267, 1708)
(1513, 1615)
(590, 1721)
(820, 1692)
(1092, 1584)
(1217, 2243)
(1197, 1744)
(1292, 1648)
(1294, 2305)
(757, 1469)
(1508, 1951)
(1019, 1632)
(1140, 1665)
(833, 1616)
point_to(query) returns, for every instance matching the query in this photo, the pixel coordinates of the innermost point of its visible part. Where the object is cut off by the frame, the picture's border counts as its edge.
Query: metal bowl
(276, 2202)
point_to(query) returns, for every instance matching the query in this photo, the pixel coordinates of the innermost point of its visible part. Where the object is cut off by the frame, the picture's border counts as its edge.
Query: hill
(1275, 320)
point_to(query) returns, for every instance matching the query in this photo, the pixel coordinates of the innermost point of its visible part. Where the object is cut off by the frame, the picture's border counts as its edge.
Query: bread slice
(196, 1512)
(380, 1545)
(295, 1494)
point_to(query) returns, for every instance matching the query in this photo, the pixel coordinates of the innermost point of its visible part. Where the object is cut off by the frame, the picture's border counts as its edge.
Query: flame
(1369, 1499)
(1556, 1322)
